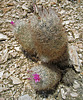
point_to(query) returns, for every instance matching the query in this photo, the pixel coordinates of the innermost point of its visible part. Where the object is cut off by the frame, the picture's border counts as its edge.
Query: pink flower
(12, 23)
(36, 78)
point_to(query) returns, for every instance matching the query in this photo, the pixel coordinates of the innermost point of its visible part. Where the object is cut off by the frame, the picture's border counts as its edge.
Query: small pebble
(3, 37)
(15, 80)
(63, 93)
(25, 97)
(74, 94)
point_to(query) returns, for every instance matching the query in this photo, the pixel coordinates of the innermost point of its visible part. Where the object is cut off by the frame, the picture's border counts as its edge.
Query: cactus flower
(12, 23)
(36, 78)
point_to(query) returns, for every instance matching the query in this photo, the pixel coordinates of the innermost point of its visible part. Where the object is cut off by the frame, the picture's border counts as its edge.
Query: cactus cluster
(44, 35)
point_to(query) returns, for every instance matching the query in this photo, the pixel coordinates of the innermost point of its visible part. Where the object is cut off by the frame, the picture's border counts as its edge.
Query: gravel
(14, 64)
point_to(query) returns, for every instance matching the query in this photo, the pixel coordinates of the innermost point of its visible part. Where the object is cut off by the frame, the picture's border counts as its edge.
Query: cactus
(48, 77)
(49, 37)
(23, 34)
(43, 34)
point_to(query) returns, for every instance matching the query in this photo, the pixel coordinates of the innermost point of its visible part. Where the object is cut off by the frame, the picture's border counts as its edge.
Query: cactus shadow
(46, 93)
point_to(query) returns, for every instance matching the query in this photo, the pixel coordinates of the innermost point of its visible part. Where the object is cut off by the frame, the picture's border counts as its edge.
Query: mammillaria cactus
(49, 37)
(44, 78)
(23, 35)
(44, 34)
